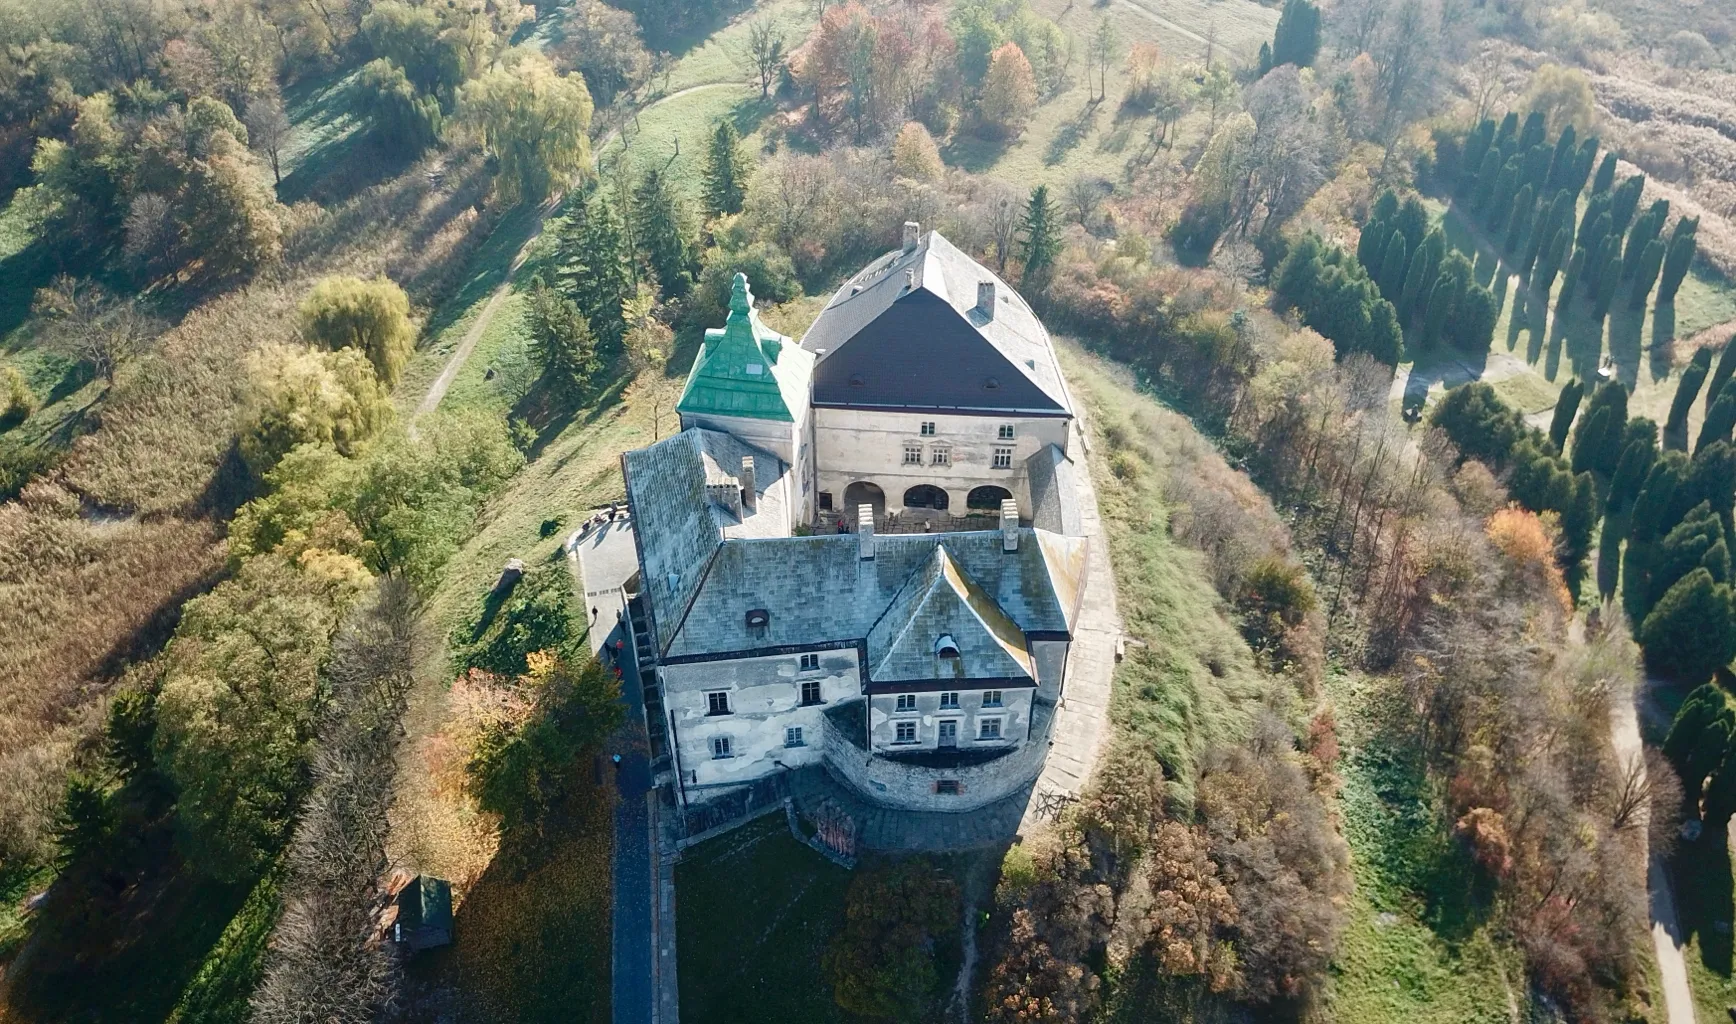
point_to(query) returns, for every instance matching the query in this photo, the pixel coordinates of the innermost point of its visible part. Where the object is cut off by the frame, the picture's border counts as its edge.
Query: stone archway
(987, 498)
(926, 496)
(863, 493)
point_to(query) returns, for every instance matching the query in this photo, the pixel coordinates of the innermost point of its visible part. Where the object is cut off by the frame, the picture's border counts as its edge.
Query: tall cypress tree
(1297, 39)
(1681, 256)
(1040, 240)
(1507, 135)
(1608, 283)
(1425, 264)
(1566, 407)
(1625, 201)
(1392, 267)
(661, 217)
(1583, 162)
(1722, 373)
(1597, 444)
(1501, 202)
(1651, 261)
(1605, 179)
(1535, 129)
(1720, 420)
(594, 268)
(1488, 178)
(1561, 161)
(1520, 220)
(726, 171)
(1471, 160)
(1596, 208)
(1687, 389)
(1570, 283)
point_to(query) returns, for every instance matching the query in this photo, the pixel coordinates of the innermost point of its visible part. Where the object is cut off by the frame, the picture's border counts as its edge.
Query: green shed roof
(747, 369)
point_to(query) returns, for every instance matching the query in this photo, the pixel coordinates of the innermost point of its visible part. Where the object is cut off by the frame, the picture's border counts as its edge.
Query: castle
(865, 550)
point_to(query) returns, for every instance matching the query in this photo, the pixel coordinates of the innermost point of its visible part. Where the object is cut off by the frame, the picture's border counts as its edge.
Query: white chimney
(749, 496)
(912, 233)
(1009, 525)
(865, 531)
(986, 299)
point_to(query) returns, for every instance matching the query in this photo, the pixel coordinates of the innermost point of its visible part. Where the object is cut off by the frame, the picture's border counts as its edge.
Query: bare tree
(1101, 51)
(1002, 212)
(89, 324)
(268, 129)
(1084, 194)
(152, 236)
(1405, 53)
(765, 52)
(1354, 23)
(1240, 261)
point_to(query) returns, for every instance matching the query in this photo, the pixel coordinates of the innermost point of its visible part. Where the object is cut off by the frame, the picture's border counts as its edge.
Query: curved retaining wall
(912, 787)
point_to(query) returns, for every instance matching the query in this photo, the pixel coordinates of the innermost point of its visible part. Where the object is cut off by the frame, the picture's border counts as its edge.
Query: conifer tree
(1483, 189)
(1561, 161)
(1624, 201)
(1391, 276)
(1039, 242)
(1570, 283)
(1477, 146)
(1680, 257)
(1722, 372)
(1687, 389)
(1474, 319)
(1501, 201)
(1692, 630)
(1630, 473)
(1297, 40)
(1596, 213)
(1508, 134)
(1608, 283)
(1549, 264)
(1535, 128)
(562, 341)
(1597, 444)
(595, 269)
(1651, 261)
(1583, 163)
(1440, 308)
(1520, 220)
(661, 217)
(1566, 407)
(1424, 266)
(1605, 179)
(726, 171)
(1720, 420)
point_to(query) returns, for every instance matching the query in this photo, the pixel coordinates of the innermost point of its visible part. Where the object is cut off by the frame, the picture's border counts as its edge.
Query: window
(913, 455)
(946, 787)
(906, 702)
(906, 733)
(989, 729)
(927, 428)
(811, 692)
(1003, 458)
(717, 703)
(991, 698)
(825, 501)
(793, 737)
(810, 662)
(721, 748)
(940, 455)
(1006, 433)
(949, 701)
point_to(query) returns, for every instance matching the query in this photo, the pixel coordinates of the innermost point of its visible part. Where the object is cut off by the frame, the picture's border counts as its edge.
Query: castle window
(721, 747)
(1003, 458)
(940, 455)
(906, 733)
(927, 428)
(913, 455)
(991, 698)
(945, 646)
(758, 618)
(825, 501)
(717, 703)
(793, 737)
(906, 702)
(989, 729)
(946, 787)
(949, 701)
(1006, 433)
(810, 662)
(811, 692)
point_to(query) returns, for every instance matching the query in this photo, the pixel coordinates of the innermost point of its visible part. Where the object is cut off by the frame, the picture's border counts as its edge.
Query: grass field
(1535, 351)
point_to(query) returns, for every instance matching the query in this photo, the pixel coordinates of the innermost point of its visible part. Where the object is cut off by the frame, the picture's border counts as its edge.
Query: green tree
(883, 962)
(1520, 220)
(1039, 241)
(1597, 444)
(1722, 372)
(1687, 389)
(524, 774)
(299, 396)
(663, 227)
(1630, 473)
(372, 317)
(1297, 40)
(1481, 425)
(534, 122)
(594, 267)
(1474, 319)
(1720, 420)
(1698, 541)
(402, 119)
(1624, 201)
(1570, 282)
(1651, 261)
(414, 39)
(1605, 179)
(1566, 408)
(726, 171)
(1425, 263)
(16, 400)
(1681, 256)
(1692, 630)
(562, 341)
(1392, 267)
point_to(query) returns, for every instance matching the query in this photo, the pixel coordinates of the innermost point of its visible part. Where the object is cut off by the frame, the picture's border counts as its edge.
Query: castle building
(864, 550)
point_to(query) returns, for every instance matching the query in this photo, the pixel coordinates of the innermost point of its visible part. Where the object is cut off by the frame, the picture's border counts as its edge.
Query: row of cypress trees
(1431, 287)
(1337, 298)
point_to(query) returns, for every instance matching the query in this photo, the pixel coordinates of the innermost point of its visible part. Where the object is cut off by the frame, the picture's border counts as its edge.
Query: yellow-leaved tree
(534, 121)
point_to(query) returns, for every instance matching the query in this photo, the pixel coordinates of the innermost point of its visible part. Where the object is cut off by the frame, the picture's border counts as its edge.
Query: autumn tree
(535, 121)
(914, 153)
(1009, 92)
(372, 317)
(300, 396)
(883, 962)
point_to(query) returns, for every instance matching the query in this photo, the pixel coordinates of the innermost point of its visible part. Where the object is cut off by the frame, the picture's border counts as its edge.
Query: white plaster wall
(913, 787)
(765, 695)
(1051, 659)
(853, 444)
(1015, 712)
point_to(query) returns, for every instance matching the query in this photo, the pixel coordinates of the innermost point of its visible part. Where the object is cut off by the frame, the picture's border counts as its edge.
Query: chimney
(865, 531)
(1009, 525)
(749, 497)
(912, 233)
(986, 299)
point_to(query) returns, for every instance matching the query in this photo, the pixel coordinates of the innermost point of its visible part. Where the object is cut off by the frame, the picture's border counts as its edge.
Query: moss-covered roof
(747, 369)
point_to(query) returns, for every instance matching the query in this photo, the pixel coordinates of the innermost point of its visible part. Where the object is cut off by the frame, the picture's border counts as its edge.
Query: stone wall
(914, 787)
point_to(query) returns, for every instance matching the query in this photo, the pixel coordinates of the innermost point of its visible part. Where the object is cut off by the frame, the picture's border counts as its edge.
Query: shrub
(914, 153)
(519, 773)
(883, 963)
(370, 316)
(16, 400)
(403, 120)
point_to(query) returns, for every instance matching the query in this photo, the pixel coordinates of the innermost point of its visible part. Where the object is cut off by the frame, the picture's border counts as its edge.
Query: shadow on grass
(676, 28)
(343, 168)
(1583, 336)
(1701, 873)
(493, 263)
(1625, 327)
(1070, 133)
(973, 153)
(1663, 346)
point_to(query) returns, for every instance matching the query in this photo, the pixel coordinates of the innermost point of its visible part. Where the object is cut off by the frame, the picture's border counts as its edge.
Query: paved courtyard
(603, 559)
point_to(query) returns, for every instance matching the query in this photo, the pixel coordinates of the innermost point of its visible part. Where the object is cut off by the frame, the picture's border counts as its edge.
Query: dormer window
(946, 646)
(755, 369)
(674, 581)
(992, 384)
(758, 618)
(856, 381)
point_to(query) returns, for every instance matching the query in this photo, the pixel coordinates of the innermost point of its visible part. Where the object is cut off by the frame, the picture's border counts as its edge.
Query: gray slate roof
(940, 600)
(1054, 487)
(906, 332)
(817, 590)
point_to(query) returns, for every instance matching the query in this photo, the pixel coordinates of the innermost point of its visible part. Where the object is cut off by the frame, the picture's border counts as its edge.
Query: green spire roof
(747, 369)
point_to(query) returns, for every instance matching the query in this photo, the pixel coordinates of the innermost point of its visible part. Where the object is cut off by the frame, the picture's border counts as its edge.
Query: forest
(1402, 335)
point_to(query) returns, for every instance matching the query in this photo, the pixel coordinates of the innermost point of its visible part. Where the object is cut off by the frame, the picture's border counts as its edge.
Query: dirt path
(1624, 732)
(437, 391)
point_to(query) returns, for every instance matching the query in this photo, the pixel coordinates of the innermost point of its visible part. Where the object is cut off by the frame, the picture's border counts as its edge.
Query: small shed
(421, 913)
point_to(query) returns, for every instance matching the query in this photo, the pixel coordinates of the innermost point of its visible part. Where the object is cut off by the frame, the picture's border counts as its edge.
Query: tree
(765, 52)
(662, 222)
(1102, 49)
(90, 325)
(1597, 444)
(1720, 420)
(1392, 267)
(535, 122)
(414, 38)
(1297, 40)
(882, 963)
(402, 119)
(268, 129)
(299, 396)
(649, 343)
(1566, 407)
(915, 155)
(562, 341)
(1650, 262)
(1605, 179)
(726, 171)
(16, 400)
(525, 774)
(1692, 630)
(1039, 242)
(1681, 256)
(1563, 96)
(1217, 88)
(594, 267)
(372, 317)
(1722, 372)
(1009, 92)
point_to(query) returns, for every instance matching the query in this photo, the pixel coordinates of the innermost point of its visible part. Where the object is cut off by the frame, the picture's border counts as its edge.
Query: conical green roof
(747, 369)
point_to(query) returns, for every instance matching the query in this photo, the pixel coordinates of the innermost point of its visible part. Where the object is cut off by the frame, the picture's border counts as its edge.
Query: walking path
(1624, 732)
